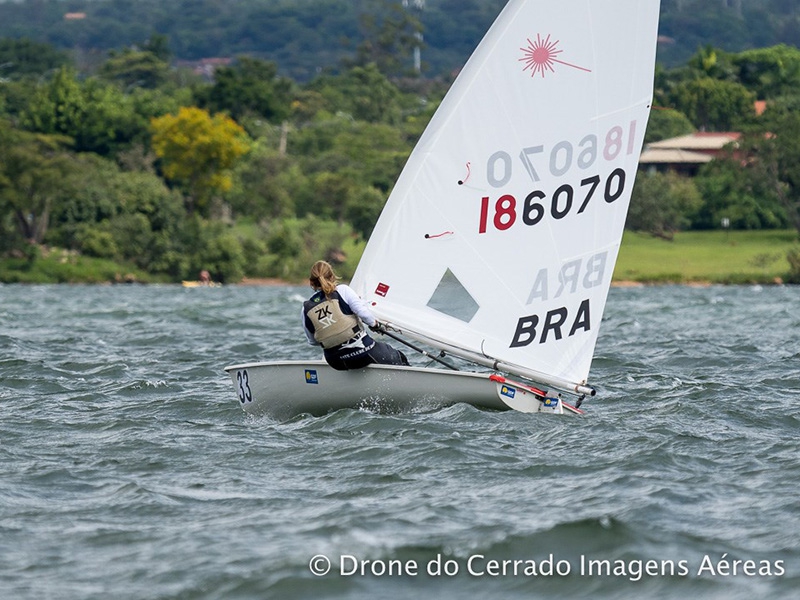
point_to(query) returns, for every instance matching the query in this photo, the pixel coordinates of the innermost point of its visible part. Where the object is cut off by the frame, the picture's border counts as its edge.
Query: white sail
(500, 237)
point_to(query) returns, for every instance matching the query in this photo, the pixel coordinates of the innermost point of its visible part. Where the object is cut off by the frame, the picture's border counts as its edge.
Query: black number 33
(245, 395)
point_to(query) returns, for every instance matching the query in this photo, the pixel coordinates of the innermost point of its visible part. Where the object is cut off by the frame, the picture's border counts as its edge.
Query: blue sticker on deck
(311, 377)
(507, 391)
(551, 402)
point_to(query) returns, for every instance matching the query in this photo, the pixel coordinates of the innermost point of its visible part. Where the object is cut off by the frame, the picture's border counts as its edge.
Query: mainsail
(499, 240)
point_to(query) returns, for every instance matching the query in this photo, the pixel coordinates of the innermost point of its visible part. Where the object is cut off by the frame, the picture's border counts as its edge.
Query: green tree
(33, 173)
(714, 63)
(667, 123)
(739, 187)
(773, 160)
(158, 45)
(294, 244)
(261, 191)
(713, 105)
(210, 245)
(662, 204)
(770, 72)
(97, 116)
(134, 68)
(58, 106)
(332, 194)
(363, 210)
(127, 216)
(372, 154)
(20, 57)
(249, 86)
(199, 151)
(363, 92)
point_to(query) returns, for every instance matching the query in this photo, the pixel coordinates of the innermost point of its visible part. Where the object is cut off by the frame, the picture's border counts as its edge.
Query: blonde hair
(323, 278)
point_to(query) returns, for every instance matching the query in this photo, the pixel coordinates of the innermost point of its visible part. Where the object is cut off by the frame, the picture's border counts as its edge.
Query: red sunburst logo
(540, 56)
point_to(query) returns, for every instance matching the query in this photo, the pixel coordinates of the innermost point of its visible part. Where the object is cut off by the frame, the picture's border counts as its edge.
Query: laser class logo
(540, 57)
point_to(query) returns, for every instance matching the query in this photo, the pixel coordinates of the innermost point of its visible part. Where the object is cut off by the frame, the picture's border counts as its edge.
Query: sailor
(333, 317)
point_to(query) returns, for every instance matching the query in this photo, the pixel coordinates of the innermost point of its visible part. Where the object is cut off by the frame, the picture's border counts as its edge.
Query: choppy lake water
(128, 470)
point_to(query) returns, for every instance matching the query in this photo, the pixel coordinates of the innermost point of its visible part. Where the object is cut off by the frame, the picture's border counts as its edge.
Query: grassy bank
(706, 256)
(62, 266)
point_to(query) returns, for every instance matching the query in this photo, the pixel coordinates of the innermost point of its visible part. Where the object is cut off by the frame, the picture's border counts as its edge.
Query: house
(687, 153)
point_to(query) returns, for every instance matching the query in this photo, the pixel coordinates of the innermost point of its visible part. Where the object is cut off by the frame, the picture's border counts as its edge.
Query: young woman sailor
(332, 318)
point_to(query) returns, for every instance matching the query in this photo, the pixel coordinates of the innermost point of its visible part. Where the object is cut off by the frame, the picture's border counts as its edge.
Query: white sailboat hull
(282, 390)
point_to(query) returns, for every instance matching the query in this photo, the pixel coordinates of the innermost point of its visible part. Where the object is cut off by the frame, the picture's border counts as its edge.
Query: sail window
(453, 299)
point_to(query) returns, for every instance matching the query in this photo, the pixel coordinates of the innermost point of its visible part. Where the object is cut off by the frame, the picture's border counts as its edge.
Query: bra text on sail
(586, 273)
(554, 323)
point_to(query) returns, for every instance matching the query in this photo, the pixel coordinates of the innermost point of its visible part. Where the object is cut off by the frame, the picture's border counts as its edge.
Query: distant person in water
(333, 317)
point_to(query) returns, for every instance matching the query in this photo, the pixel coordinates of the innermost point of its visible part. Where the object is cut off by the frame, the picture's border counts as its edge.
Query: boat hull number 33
(243, 387)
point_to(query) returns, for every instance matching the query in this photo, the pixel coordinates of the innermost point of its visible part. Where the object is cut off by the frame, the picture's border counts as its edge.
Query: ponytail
(323, 278)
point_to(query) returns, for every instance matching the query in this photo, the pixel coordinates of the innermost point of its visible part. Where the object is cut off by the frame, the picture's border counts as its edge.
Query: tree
(662, 204)
(198, 151)
(713, 62)
(260, 192)
(738, 186)
(770, 72)
(33, 173)
(134, 68)
(96, 115)
(126, 216)
(249, 86)
(373, 98)
(158, 45)
(364, 209)
(667, 123)
(26, 57)
(58, 106)
(774, 159)
(363, 92)
(352, 166)
(713, 105)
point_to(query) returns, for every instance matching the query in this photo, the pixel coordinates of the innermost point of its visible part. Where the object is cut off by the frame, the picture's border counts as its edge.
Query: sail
(500, 236)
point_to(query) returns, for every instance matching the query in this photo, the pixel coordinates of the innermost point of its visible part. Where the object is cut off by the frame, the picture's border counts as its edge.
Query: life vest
(332, 327)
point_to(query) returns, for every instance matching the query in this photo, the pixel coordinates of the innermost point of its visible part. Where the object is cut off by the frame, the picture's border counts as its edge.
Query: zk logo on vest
(325, 317)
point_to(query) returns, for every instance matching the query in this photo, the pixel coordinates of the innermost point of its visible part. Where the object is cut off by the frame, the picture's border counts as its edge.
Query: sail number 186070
(564, 156)
(559, 204)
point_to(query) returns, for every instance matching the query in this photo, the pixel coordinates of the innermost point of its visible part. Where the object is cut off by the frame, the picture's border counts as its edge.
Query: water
(128, 470)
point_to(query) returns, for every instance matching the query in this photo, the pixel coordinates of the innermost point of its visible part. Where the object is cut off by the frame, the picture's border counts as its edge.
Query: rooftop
(698, 141)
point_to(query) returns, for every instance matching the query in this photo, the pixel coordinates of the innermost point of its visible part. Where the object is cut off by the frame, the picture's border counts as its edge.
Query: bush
(662, 203)
(94, 242)
(793, 256)
(293, 245)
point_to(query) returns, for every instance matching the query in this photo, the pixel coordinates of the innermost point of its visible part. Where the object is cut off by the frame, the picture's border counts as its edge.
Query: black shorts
(343, 359)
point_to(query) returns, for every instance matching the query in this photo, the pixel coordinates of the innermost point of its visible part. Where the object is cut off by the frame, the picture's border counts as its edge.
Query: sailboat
(498, 242)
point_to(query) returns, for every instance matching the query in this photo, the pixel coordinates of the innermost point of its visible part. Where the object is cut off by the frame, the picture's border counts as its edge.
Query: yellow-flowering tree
(198, 152)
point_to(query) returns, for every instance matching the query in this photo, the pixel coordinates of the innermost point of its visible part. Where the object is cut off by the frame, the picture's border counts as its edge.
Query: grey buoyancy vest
(332, 327)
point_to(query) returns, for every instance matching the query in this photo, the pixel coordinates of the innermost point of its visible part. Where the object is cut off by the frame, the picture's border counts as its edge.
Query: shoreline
(263, 281)
(275, 282)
